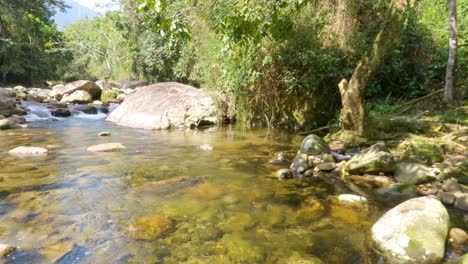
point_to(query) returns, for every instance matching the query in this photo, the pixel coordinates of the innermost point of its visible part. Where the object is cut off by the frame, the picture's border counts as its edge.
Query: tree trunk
(452, 56)
(353, 115)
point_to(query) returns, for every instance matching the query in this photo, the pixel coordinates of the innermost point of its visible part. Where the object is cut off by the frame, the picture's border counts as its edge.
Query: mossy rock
(423, 150)
(314, 145)
(107, 95)
(150, 227)
(374, 159)
(414, 231)
(240, 250)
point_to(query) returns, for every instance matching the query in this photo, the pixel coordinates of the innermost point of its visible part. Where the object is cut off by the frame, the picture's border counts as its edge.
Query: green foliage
(106, 95)
(29, 52)
(268, 62)
(98, 47)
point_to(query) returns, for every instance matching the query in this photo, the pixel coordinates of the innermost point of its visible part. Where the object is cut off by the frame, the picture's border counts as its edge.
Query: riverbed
(220, 206)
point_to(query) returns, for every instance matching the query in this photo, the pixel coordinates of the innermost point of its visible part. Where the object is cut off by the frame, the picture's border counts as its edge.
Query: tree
(453, 49)
(99, 43)
(353, 115)
(28, 40)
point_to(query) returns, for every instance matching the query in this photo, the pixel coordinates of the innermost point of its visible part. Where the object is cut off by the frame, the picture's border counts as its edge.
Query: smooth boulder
(88, 86)
(414, 231)
(165, 105)
(314, 145)
(374, 159)
(78, 97)
(28, 151)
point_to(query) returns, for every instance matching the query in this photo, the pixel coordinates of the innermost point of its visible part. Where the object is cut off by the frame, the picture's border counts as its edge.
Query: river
(221, 206)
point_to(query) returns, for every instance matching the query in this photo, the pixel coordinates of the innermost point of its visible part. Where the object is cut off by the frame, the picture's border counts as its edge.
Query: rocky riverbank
(158, 106)
(417, 229)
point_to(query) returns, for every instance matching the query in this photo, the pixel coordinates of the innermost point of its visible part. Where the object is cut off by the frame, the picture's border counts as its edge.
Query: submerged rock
(206, 147)
(165, 105)
(414, 173)
(414, 231)
(240, 250)
(28, 151)
(104, 134)
(150, 227)
(312, 209)
(314, 145)
(106, 147)
(54, 253)
(374, 159)
(397, 192)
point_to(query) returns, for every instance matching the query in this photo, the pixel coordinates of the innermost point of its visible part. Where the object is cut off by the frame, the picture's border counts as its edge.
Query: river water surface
(163, 200)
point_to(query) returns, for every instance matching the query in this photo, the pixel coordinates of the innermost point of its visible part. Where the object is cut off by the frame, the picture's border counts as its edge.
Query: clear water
(224, 206)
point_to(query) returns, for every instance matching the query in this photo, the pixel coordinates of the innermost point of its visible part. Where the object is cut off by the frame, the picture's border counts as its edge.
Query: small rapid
(43, 112)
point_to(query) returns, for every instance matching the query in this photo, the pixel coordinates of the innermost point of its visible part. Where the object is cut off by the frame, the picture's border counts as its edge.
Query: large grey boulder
(374, 159)
(78, 97)
(165, 105)
(414, 173)
(7, 106)
(414, 231)
(7, 92)
(90, 87)
(314, 145)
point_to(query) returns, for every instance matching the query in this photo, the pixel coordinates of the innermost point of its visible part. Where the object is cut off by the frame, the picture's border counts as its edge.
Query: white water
(40, 112)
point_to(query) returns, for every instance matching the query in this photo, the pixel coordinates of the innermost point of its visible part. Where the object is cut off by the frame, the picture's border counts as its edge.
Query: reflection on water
(164, 200)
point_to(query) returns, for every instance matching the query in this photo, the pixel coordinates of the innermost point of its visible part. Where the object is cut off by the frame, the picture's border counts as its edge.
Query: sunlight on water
(162, 199)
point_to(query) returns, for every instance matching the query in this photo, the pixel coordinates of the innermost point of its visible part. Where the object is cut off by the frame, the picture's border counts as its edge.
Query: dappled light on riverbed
(162, 199)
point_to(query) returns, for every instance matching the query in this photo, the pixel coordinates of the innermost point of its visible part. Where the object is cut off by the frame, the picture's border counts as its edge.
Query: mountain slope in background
(72, 14)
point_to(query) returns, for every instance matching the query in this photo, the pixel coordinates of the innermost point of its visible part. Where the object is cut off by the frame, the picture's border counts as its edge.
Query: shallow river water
(223, 206)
